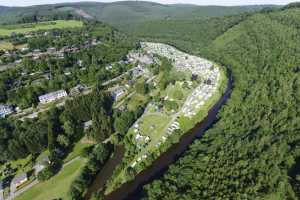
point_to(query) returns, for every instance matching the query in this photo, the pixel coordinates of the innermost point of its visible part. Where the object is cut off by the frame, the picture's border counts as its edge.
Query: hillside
(193, 35)
(126, 14)
(252, 152)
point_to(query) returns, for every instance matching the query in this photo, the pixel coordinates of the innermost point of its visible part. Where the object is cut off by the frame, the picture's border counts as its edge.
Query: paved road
(24, 189)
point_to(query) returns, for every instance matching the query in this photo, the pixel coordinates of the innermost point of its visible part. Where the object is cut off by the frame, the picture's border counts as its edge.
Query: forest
(252, 152)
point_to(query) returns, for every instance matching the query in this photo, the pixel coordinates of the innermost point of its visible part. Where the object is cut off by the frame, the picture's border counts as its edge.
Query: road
(29, 114)
(118, 78)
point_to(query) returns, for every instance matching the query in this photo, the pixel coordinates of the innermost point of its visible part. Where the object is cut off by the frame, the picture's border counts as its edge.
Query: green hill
(124, 14)
(193, 35)
(253, 151)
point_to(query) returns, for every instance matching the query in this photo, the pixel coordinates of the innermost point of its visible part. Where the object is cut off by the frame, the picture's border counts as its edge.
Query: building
(50, 97)
(5, 110)
(51, 50)
(79, 63)
(118, 93)
(19, 180)
(77, 90)
(40, 165)
(137, 72)
(87, 125)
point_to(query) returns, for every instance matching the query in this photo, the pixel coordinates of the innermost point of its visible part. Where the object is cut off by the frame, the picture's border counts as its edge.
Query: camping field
(57, 186)
(7, 30)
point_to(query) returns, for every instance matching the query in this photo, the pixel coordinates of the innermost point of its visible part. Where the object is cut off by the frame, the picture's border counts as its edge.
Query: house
(5, 110)
(138, 71)
(79, 63)
(19, 180)
(87, 125)
(36, 51)
(77, 90)
(109, 67)
(118, 93)
(51, 50)
(50, 97)
(40, 165)
(24, 49)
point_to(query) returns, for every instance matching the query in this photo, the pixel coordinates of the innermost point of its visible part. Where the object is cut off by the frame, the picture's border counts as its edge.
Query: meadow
(7, 30)
(57, 186)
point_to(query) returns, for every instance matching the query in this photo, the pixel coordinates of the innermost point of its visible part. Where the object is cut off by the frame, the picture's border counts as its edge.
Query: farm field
(26, 28)
(57, 186)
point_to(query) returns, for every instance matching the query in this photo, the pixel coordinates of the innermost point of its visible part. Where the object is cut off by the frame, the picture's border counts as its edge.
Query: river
(132, 189)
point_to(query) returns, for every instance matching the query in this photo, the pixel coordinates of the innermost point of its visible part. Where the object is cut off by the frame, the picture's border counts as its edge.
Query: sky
(198, 2)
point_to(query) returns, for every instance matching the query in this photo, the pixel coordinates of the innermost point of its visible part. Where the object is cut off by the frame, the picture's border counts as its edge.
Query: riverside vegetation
(252, 152)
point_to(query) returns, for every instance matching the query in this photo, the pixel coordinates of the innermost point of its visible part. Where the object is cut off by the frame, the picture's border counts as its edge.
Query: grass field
(77, 151)
(6, 46)
(26, 28)
(152, 124)
(57, 187)
(9, 46)
(135, 101)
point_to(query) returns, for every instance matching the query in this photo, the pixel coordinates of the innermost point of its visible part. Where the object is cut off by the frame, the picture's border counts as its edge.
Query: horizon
(21, 3)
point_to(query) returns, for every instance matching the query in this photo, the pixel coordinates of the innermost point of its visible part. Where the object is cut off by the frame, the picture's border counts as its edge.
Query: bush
(46, 174)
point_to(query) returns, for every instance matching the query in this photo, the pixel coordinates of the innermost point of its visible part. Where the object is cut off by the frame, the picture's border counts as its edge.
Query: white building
(50, 97)
(5, 110)
(118, 93)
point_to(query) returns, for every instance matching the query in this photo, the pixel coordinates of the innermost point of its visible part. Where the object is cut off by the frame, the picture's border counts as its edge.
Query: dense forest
(252, 152)
(192, 35)
(123, 15)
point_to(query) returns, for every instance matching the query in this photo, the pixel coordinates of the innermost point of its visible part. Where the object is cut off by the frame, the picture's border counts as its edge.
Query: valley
(141, 100)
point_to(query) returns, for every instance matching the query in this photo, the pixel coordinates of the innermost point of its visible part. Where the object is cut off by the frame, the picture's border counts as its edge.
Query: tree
(142, 87)
(102, 125)
(124, 121)
(63, 140)
(45, 174)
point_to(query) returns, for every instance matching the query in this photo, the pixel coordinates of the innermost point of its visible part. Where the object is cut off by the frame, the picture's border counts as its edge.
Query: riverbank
(132, 189)
(178, 142)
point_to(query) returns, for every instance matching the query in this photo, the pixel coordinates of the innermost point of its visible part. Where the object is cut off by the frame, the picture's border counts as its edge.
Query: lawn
(6, 46)
(153, 124)
(26, 28)
(77, 150)
(136, 100)
(57, 187)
